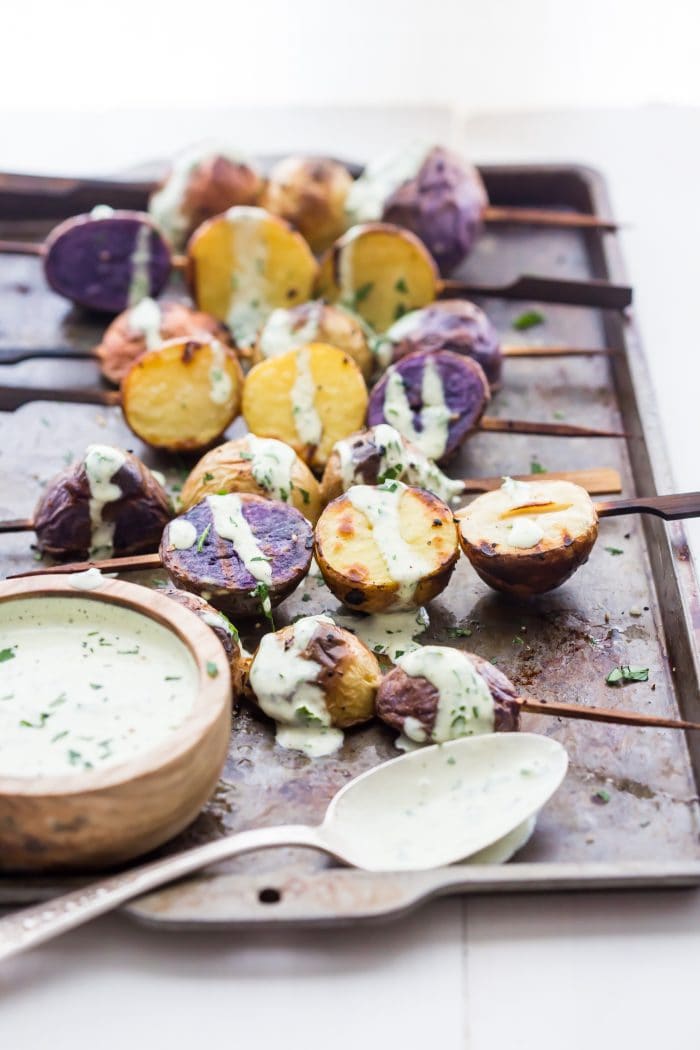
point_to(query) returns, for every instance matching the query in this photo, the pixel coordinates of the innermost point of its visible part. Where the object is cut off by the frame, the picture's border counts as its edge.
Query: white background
(614, 84)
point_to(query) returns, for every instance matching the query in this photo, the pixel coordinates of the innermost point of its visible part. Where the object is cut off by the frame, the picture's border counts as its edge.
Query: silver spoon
(423, 810)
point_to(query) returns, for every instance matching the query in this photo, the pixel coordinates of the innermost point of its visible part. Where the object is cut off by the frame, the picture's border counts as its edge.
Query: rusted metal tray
(638, 607)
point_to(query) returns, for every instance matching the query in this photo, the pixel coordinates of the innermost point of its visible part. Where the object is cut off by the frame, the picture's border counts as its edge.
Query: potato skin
(523, 573)
(466, 392)
(213, 183)
(121, 345)
(351, 563)
(401, 696)
(62, 515)
(227, 468)
(341, 399)
(443, 205)
(310, 192)
(216, 572)
(237, 661)
(93, 261)
(316, 322)
(167, 394)
(451, 324)
(350, 673)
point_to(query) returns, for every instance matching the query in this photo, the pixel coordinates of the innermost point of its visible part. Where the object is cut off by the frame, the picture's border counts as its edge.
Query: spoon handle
(29, 927)
(672, 508)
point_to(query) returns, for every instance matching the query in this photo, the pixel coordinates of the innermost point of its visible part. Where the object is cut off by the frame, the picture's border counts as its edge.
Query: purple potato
(109, 263)
(403, 696)
(217, 572)
(465, 391)
(443, 204)
(62, 517)
(452, 324)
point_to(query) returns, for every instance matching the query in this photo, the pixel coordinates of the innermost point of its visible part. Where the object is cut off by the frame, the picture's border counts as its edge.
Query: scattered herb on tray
(529, 319)
(536, 467)
(601, 797)
(623, 674)
(614, 550)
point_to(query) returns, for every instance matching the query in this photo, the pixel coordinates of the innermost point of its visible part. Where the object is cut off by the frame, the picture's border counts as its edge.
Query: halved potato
(346, 673)
(244, 263)
(386, 547)
(182, 395)
(224, 630)
(264, 466)
(308, 398)
(380, 271)
(316, 322)
(527, 538)
(310, 193)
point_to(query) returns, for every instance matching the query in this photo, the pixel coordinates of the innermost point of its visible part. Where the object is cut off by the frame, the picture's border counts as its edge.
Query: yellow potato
(527, 538)
(380, 271)
(398, 564)
(310, 193)
(244, 263)
(308, 398)
(182, 395)
(316, 322)
(261, 465)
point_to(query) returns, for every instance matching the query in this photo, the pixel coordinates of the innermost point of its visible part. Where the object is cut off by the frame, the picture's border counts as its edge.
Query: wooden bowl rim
(213, 691)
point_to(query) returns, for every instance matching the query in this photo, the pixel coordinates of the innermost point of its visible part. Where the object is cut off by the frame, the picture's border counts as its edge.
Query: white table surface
(573, 970)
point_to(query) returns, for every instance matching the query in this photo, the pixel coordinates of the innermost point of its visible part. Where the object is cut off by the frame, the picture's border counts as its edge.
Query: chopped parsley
(362, 292)
(43, 719)
(459, 632)
(529, 319)
(536, 467)
(202, 539)
(602, 797)
(7, 654)
(262, 593)
(212, 669)
(614, 550)
(208, 477)
(401, 286)
(625, 673)
(305, 715)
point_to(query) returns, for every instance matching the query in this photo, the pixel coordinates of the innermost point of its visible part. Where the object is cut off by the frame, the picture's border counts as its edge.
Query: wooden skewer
(602, 714)
(546, 290)
(515, 350)
(132, 563)
(568, 220)
(597, 481)
(525, 426)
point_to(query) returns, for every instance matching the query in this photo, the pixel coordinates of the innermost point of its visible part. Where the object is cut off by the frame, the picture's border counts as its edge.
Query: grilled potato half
(380, 271)
(527, 538)
(386, 547)
(308, 398)
(182, 395)
(316, 322)
(264, 466)
(310, 193)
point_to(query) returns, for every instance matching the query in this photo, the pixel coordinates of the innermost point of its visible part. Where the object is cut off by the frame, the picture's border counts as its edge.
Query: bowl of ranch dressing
(115, 715)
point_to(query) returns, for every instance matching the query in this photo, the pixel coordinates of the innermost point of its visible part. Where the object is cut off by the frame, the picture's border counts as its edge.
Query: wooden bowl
(99, 818)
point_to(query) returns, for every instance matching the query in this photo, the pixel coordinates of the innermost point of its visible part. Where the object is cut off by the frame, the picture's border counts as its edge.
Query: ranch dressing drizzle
(89, 685)
(144, 319)
(248, 306)
(101, 464)
(525, 533)
(102, 211)
(306, 419)
(465, 704)
(380, 506)
(271, 465)
(140, 284)
(281, 334)
(380, 179)
(89, 580)
(220, 382)
(182, 535)
(285, 684)
(230, 524)
(434, 416)
(387, 634)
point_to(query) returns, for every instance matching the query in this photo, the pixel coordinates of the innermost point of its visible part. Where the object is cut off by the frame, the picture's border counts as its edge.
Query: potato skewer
(527, 539)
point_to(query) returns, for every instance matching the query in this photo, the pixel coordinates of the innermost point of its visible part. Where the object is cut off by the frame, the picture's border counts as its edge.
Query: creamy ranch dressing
(281, 334)
(524, 532)
(272, 465)
(89, 580)
(230, 524)
(89, 685)
(140, 284)
(220, 382)
(306, 419)
(285, 684)
(387, 634)
(144, 319)
(182, 535)
(465, 704)
(380, 505)
(248, 304)
(380, 179)
(434, 416)
(102, 211)
(101, 464)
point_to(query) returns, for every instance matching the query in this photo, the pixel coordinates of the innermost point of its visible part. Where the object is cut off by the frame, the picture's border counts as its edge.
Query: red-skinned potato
(387, 547)
(310, 193)
(146, 326)
(527, 538)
